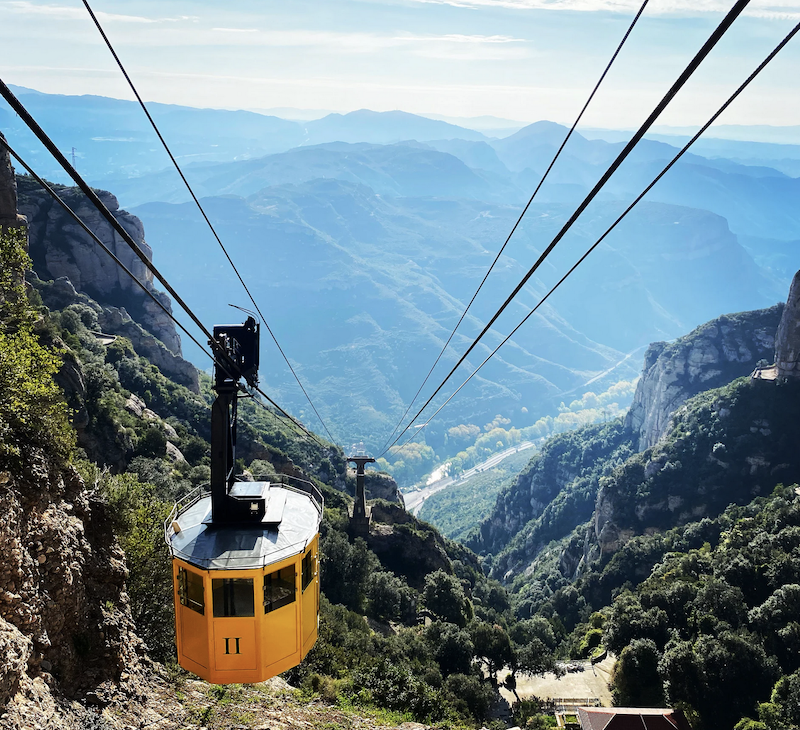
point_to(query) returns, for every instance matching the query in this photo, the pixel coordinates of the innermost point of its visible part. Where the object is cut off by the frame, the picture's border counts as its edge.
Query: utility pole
(73, 157)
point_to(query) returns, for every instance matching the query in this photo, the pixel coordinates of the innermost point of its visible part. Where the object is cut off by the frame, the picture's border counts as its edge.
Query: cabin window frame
(309, 569)
(286, 582)
(187, 581)
(231, 598)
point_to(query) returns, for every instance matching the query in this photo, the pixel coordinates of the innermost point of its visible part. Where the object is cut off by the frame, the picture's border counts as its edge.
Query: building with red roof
(631, 718)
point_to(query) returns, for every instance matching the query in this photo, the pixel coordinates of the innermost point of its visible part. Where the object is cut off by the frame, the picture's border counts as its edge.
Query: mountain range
(364, 235)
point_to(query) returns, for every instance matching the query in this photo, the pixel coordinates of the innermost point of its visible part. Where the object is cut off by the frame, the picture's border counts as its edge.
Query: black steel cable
(202, 211)
(707, 47)
(43, 183)
(31, 123)
(638, 198)
(521, 215)
(142, 286)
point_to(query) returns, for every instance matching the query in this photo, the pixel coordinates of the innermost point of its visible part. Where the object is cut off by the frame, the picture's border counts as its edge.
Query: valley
(612, 484)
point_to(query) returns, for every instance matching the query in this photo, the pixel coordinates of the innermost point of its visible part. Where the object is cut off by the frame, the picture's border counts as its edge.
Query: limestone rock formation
(9, 218)
(787, 340)
(404, 546)
(60, 248)
(64, 619)
(61, 293)
(710, 356)
(381, 486)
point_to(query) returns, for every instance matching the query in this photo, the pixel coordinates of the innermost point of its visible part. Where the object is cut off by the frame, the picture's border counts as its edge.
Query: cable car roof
(290, 524)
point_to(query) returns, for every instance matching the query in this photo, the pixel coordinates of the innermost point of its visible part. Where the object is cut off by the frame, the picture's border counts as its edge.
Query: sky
(517, 59)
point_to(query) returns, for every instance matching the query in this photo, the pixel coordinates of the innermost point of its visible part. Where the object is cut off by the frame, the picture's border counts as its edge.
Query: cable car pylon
(361, 516)
(244, 553)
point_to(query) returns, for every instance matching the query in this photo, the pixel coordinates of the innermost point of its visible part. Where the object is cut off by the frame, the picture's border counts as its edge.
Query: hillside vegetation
(141, 442)
(680, 559)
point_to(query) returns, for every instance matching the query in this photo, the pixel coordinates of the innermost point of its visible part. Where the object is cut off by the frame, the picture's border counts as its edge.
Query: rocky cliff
(69, 268)
(9, 218)
(710, 356)
(65, 627)
(59, 248)
(66, 630)
(725, 446)
(787, 340)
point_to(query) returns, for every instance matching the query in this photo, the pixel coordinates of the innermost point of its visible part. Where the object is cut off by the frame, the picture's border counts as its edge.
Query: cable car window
(279, 589)
(309, 564)
(233, 597)
(190, 590)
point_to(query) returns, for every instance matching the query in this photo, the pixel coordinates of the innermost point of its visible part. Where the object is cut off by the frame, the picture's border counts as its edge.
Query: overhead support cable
(202, 211)
(619, 219)
(699, 57)
(31, 123)
(521, 216)
(147, 291)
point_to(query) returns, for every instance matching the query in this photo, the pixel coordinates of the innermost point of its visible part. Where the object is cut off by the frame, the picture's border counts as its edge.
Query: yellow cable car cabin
(245, 555)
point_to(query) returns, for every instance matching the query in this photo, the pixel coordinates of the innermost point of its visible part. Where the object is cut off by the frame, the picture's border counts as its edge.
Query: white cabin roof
(213, 547)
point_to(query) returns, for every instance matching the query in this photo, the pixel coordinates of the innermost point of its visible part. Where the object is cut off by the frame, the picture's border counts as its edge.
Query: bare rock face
(61, 249)
(405, 546)
(8, 193)
(787, 340)
(60, 293)
(381, 486)
(712, 355)
(64, 617)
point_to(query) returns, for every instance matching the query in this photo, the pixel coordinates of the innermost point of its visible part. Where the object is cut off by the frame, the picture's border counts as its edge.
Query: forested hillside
(96, 443)
(678, 558)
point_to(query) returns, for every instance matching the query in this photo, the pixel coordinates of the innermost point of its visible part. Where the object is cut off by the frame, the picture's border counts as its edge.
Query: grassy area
(456, 510)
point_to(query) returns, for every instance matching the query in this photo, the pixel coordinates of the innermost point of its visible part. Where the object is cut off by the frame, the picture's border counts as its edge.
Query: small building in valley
(631, 718)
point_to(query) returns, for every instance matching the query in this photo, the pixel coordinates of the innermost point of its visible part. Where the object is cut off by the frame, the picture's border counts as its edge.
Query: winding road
(414, 500)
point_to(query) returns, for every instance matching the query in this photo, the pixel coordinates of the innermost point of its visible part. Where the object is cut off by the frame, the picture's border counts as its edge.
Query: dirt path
(592, 682)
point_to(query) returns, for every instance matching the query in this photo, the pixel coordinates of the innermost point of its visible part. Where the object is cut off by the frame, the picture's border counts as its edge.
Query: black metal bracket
(236, 351)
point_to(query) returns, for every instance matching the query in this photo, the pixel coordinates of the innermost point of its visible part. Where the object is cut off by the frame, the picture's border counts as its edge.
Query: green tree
(32, 408)
(493, 646)
(452, 647)
(636, 681)
(444, 596)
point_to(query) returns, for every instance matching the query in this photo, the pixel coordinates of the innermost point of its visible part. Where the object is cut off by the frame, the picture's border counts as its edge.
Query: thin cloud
(456, 38)
(769, 9)
(236, 30)
(63, 11)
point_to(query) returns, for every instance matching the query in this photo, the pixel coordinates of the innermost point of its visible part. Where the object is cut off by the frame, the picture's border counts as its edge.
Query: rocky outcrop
(787, 340)
(9, 218)
(404, 545)
(378, 485)
(117, 321)
(65, 626)
(60, 248)
(710, 356)
(60, 294)
(554, 494)
(725, 446)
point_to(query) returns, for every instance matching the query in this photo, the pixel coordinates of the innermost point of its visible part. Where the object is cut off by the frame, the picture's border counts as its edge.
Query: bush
(32, 407)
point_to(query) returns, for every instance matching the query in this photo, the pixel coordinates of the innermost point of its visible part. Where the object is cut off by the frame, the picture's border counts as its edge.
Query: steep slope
(554, 494)
(725, 445)
(60, 249)
(65, 623)
(710, 356)
(561, 488)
